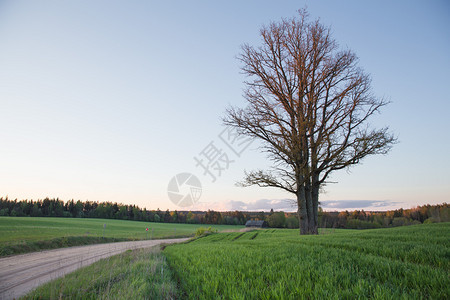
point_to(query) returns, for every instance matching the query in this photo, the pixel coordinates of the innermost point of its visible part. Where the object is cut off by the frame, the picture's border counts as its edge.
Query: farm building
(256, 223)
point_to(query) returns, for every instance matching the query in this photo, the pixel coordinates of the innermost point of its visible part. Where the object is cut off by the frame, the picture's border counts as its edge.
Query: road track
(20, 274)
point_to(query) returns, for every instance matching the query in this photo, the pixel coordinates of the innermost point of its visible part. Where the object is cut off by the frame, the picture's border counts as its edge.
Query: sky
(113, 100)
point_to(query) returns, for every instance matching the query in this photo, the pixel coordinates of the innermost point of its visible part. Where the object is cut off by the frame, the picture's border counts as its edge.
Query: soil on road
(20, 274)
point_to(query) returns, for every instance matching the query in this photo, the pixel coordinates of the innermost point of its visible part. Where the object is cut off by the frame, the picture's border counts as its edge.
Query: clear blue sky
(108, 100)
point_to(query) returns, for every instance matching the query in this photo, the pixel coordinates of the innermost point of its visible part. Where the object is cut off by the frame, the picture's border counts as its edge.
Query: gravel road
(20, 274)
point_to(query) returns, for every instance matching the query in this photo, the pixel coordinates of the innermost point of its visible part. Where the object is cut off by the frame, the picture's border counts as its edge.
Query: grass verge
(26, 234)
(134, 274)
(22, 247)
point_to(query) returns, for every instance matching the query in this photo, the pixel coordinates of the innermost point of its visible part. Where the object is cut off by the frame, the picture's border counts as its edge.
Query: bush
(400, 221)
(358, 224)
(292, 222)
(277, 220)
(202, 231)
(430, 220)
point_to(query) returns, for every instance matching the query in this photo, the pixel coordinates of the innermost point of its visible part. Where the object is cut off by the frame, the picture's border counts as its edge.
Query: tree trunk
(309, 208)
(302, 211)
(315, 204)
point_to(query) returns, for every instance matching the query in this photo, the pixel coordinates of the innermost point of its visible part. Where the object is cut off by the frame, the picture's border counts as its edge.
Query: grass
(26, 234)
(137, 274)
(396, 263)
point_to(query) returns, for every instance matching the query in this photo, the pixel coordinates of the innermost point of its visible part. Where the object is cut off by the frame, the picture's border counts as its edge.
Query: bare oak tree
(309, 103)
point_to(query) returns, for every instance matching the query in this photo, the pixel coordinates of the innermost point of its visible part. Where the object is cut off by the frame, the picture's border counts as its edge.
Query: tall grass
(400, 263)
(135, 274)
(20, 247)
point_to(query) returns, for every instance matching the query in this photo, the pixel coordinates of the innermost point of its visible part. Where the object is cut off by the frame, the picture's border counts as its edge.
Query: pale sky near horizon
(109, 100)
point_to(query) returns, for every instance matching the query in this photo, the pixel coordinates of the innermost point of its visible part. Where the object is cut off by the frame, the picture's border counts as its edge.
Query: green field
(25, 234)
(410, 262)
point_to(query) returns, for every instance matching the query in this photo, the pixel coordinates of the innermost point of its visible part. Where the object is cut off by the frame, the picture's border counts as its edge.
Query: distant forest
(358, 219)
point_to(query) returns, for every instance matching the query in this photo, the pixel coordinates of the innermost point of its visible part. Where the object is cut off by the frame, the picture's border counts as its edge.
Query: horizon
(113, 101)
(265, 210)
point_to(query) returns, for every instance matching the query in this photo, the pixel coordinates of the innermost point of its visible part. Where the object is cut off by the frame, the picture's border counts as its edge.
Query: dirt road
(20, 274)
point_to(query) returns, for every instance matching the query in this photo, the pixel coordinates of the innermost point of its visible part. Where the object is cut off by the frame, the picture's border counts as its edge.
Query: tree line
(358, 219)
(108, 210)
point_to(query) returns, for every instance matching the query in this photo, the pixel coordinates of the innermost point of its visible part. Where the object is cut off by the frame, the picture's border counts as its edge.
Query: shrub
(430, 220)
(292, 222)
(358, 224)
(400, 221)
(277, 220)
(202, 231)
